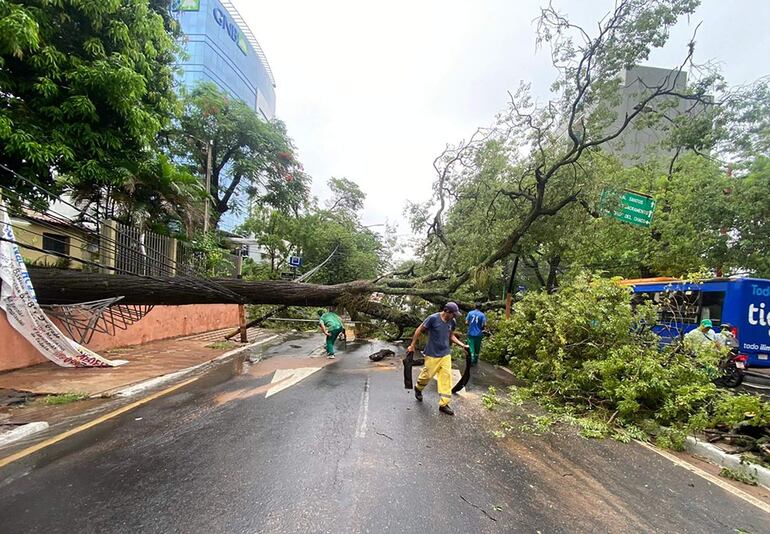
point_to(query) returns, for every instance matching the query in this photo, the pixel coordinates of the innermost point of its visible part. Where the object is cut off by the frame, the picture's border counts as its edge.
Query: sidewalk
(145, 362)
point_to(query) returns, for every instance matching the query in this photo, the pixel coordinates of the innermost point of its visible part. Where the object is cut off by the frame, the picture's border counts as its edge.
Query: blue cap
(453, 308)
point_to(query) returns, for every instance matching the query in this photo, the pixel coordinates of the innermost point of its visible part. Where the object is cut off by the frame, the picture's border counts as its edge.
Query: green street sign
(186, 5)
(628, 206)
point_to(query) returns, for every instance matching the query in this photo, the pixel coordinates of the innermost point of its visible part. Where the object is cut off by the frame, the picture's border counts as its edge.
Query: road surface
(298, 443)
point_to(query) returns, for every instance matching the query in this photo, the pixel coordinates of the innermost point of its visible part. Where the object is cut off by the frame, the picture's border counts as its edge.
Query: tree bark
(60, 286)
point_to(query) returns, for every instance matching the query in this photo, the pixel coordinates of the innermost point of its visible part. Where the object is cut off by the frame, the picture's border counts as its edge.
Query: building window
(56, 244)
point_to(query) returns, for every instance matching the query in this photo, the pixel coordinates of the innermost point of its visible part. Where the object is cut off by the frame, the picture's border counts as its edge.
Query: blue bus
(744, 303)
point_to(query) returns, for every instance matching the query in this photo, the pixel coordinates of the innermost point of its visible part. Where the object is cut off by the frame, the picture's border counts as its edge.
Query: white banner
(25, 315)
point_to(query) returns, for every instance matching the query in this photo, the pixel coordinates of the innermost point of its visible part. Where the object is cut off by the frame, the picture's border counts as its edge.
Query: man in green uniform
(331, 325)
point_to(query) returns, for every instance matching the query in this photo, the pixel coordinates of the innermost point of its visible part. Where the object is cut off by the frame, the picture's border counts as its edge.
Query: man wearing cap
(703, 336)
(440, 328)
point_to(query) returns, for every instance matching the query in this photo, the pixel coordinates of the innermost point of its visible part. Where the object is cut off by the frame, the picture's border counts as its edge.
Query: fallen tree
(60, 286)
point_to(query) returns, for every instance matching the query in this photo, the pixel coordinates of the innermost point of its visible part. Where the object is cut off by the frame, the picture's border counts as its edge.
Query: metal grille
(142, 253)
(107, 316)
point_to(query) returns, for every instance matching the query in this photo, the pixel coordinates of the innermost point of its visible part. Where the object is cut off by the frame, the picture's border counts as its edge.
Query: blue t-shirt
(438, 335)
(476, 321)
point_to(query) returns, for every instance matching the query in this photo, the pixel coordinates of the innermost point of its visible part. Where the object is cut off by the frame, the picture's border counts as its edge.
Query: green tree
(250, 156)
(315, 233)
(506, 183)
(347, 197)
(84, 88)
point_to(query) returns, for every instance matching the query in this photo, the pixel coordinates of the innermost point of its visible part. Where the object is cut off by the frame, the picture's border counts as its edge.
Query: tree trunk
(553, 271)
(59, 286)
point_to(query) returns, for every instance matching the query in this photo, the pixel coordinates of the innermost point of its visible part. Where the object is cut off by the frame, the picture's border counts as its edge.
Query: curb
(151, 383)
(717, 456)
(21, 432)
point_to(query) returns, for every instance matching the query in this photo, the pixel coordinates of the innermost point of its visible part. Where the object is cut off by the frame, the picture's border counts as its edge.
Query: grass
(64, 398)
(223, 345)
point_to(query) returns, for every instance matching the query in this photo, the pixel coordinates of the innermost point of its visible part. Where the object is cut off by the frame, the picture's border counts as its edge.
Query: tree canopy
(251, 157)
(84, 88)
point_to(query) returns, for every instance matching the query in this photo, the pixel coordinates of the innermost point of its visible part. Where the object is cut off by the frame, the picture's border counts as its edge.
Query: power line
(195, 282)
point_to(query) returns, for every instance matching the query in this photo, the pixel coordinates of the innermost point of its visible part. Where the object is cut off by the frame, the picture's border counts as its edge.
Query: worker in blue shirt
(477, 323)
(438, 361)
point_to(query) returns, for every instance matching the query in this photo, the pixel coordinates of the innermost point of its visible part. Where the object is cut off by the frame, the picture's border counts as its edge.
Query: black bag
(410, 362)
(466, 374)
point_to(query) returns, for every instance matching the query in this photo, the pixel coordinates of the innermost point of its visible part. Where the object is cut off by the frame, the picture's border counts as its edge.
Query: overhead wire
(195, 282)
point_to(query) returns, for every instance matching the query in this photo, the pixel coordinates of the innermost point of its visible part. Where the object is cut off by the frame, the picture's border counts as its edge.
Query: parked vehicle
(734, 364)
(742, 302)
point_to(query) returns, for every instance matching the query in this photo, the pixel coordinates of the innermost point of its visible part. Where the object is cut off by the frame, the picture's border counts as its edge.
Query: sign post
(628, 206)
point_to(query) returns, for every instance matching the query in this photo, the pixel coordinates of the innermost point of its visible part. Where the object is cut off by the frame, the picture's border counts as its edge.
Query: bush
(587, 348)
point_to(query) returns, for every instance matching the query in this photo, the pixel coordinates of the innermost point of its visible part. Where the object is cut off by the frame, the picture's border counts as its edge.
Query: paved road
(346, 449)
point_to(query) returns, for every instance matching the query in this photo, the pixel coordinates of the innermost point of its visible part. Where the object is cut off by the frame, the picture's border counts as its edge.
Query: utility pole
(242, 328)
(209, 150)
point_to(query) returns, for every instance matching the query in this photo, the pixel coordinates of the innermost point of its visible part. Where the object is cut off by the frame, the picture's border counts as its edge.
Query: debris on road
(381, 355)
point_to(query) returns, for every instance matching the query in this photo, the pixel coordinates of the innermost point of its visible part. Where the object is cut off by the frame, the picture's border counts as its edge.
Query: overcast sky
(372, 91)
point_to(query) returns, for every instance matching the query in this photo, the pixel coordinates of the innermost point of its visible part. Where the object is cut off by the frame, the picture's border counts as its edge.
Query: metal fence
(143, 252)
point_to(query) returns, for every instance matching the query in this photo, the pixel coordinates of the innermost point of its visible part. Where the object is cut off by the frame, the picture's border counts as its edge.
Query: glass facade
(220, 48)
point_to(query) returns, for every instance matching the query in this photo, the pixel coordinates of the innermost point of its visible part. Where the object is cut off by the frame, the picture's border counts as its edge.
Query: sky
(373, 91)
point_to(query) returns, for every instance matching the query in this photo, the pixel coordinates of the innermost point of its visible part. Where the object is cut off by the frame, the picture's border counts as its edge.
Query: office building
(645, 140)
(221, 48)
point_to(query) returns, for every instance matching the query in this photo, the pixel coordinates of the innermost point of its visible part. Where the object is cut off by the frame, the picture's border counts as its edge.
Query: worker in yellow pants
(443, 368)
(440, 328)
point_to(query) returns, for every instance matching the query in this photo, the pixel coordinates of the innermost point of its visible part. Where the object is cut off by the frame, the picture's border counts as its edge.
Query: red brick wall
(161, 323)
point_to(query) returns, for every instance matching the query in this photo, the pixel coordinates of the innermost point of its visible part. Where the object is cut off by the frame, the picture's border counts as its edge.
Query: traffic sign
(295, 261)
(628, 206)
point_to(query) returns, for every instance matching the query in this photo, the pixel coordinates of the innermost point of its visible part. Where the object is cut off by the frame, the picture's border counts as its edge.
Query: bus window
(679, 306)
(711, 306)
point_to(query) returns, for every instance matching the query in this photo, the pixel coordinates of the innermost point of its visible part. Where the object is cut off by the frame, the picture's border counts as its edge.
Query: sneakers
(418, 394)
(446, 409)
(330, 356)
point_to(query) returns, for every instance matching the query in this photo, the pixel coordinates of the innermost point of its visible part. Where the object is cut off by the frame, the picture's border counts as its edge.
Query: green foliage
(742, 409)
(84, 88)
(489, 399)
(251, 158)
(587, 354)
(346, 196)
(671, 438)
(313, 234)
(64, 398)
(212, 258)
(738, 476)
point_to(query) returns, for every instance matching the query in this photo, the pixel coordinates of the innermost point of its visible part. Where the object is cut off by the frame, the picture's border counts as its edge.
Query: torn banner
(18, 300)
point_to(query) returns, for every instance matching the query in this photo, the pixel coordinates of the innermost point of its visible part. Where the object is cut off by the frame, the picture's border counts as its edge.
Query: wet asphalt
(347, 449)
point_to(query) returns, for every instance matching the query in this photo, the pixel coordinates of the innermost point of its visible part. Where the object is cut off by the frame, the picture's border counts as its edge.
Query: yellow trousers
(443, 368)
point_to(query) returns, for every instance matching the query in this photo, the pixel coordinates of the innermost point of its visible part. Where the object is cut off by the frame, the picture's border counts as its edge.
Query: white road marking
(285, 378)
(708, 476)
(363, 412)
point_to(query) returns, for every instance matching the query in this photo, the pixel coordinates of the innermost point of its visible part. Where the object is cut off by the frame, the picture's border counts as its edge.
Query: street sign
(295, 261)
(628, 206)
